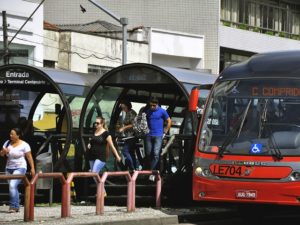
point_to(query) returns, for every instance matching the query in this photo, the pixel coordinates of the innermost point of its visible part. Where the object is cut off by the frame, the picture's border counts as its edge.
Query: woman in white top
(16, 150)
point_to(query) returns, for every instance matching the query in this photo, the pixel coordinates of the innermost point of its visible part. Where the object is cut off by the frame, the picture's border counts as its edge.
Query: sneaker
(13, 210)
(152, 178)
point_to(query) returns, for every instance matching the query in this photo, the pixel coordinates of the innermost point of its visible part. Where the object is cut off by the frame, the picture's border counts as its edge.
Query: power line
(71, 45)
(81, 55)
(26, 22)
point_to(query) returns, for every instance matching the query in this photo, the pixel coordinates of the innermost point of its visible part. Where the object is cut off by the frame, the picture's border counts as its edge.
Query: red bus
(248, 142)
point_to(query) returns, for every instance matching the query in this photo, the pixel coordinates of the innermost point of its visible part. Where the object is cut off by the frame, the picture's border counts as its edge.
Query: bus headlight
(295, 176)
(203, 172)
(198, 171)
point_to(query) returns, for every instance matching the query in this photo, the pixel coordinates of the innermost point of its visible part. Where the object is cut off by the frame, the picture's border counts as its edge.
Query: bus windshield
(253, 117)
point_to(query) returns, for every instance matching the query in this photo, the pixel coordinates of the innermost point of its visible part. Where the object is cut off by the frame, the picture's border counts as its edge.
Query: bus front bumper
(283, 193)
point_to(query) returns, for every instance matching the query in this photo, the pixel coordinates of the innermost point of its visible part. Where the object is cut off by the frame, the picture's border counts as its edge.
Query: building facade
(68, 48)
(96, 47)
(198, 17)
(249, 27)
(233, 29)
(27, 45)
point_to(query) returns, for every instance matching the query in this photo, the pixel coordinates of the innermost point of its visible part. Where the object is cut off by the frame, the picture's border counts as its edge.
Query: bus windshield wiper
(235, 131)
(263, 121)
(276, 149)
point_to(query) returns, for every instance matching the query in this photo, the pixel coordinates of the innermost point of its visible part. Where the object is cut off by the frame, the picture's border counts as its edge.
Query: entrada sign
(21, 77)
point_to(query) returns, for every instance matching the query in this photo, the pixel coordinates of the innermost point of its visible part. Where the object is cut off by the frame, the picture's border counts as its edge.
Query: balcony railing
(260, 30)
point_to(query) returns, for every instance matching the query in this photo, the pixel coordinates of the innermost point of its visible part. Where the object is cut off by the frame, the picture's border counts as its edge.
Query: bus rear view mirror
(193, 101)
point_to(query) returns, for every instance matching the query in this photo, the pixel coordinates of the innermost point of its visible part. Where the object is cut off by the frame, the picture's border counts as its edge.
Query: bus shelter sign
(21, 77)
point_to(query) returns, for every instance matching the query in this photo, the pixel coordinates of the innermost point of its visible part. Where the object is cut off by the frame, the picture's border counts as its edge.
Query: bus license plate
(227, 170)
(246, 194)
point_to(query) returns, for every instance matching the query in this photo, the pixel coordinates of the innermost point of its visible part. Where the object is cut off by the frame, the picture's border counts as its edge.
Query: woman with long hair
(129, 149)
(99, 145)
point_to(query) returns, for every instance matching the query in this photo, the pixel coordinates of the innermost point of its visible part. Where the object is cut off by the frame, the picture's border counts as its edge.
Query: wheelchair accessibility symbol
(256, 148)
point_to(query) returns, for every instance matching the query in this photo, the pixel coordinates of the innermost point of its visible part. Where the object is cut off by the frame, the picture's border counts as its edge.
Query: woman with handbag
(16, 150)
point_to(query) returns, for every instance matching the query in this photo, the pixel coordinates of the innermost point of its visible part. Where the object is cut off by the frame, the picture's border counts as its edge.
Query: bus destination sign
(275, 91)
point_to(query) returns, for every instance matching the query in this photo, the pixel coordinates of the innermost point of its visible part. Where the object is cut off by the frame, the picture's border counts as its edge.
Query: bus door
(173, 155)
(197, 103)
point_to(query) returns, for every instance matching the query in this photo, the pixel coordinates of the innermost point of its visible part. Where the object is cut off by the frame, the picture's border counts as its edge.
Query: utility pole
(124, 22)
(5, 39)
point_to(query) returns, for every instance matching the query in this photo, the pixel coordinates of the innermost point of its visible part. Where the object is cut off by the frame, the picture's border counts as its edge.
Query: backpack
(6, 145)
(140, 125)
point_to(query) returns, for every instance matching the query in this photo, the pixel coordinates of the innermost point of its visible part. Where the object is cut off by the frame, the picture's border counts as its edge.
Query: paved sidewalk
(86, 215)
(116, 215)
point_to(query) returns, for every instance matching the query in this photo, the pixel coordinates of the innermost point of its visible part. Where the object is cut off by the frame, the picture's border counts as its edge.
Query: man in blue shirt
(156, 116)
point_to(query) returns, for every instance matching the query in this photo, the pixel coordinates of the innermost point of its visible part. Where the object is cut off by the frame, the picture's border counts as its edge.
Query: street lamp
(124, 22)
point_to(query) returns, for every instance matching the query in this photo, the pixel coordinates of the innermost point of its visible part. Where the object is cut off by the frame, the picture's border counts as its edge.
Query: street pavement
(113, 215)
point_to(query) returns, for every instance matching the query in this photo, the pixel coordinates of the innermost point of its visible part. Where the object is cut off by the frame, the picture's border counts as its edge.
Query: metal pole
(124, 22)
(5, 39)
(106, 10)
(26, 22)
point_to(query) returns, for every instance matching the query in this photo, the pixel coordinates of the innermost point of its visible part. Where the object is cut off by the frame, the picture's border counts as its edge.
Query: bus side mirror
(193, 101)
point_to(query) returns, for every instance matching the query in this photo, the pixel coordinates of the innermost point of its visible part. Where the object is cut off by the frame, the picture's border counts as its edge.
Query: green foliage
(243, 26)
(295, 37)
(226, 23)
(282, 34)
(269, 33)
(256, 29)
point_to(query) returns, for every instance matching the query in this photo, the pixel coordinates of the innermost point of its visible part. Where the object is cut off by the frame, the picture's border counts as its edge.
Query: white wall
(51, 45)
(177, 49)
(254, 42)
(74, 51)
(103, 51)
(31, 36)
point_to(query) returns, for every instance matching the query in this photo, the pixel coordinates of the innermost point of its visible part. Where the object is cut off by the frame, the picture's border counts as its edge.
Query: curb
(146, 221)
(190, 218)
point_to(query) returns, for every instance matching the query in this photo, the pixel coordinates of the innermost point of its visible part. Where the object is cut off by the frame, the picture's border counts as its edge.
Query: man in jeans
(156, 116)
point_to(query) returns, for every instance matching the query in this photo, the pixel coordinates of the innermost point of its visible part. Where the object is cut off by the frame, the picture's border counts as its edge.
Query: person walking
(16, 150)
(99, 145)
(129, 148)
(156, 117)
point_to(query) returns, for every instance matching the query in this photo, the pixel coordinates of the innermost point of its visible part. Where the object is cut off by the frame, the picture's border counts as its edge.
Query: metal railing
(66, 189)
(158, 186)
(129, 188)
(27, 191)
(63, 192)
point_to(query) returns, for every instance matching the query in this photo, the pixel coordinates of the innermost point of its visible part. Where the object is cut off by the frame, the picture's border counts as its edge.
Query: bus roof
(283, 64)
(68, 77)
(191, 77)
